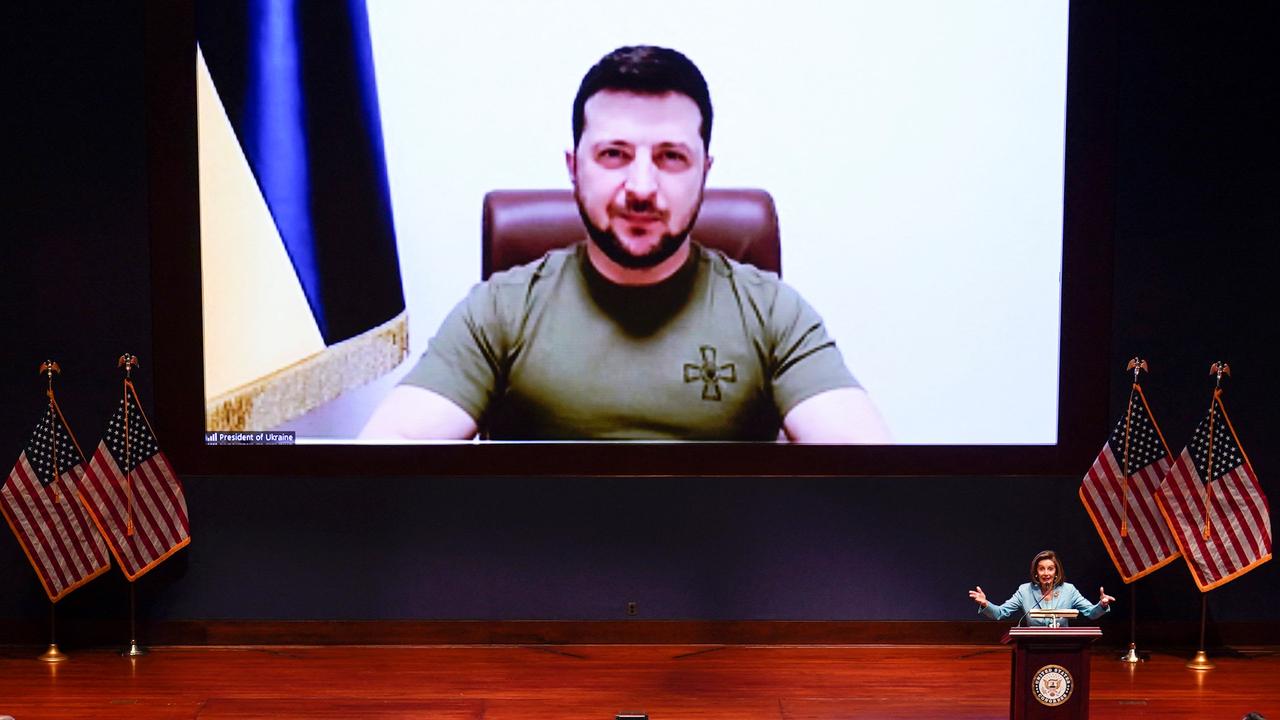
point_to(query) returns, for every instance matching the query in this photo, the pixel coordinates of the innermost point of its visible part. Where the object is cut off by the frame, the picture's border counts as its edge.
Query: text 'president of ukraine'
(596, 341)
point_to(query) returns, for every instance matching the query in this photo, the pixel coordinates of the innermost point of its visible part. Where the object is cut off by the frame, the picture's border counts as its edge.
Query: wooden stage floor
(596, 681)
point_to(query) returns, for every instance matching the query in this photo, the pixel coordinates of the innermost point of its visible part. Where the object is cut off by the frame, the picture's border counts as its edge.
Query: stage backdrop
(1196, 227)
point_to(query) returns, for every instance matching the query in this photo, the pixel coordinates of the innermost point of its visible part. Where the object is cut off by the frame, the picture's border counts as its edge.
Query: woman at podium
(1046, 591)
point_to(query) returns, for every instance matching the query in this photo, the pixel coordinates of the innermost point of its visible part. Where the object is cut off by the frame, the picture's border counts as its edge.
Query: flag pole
(134, 649)
(1137, 365)
(1217, 370)
(1132, 656)
(129, 362)
(53, 654)
(48, 368)
(1201, 660)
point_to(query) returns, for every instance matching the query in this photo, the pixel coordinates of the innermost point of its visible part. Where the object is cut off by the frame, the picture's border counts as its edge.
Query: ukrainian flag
(301, 282)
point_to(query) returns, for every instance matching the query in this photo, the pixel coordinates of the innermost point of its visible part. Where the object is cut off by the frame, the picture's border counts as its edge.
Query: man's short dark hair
(646, 70)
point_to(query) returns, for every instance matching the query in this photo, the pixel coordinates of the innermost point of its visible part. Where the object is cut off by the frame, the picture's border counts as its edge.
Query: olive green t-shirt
(554, 351)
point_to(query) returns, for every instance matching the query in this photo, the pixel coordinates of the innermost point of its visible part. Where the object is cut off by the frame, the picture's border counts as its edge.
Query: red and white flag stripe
(54, 530)
(1222, 524)
(1118, 493)
(1147, 543)
(155, 503)
(1239, 522)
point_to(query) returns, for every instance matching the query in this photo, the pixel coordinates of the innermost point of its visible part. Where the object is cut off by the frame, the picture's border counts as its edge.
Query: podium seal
(1052, 685)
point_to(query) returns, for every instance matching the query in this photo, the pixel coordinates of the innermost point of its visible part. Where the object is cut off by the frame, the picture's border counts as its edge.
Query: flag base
(134, 650)
(1200, 662)
(1132, 656)
(52, 655)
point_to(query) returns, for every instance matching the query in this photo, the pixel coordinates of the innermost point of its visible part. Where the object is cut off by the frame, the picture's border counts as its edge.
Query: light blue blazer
(1065, 597)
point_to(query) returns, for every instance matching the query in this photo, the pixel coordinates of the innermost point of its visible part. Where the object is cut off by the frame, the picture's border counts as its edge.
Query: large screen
(917, 153)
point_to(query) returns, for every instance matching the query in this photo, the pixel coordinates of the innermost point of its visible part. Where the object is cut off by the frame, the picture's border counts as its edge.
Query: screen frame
(1084, 352)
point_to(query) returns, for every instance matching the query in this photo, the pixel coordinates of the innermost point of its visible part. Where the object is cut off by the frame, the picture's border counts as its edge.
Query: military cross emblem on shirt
(710, 373)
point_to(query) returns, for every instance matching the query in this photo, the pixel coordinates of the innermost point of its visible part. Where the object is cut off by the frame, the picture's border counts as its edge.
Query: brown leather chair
(520, 226)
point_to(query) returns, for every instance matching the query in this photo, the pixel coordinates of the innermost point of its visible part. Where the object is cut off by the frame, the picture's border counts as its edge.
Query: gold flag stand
(53, 654)
(128, 362)
(1137, 365)
(1201, 660)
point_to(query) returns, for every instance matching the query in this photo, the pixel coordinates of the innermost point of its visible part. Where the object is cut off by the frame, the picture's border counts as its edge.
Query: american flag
(39, 502)
(133, 493)
(1123, 508)
(1238, 521)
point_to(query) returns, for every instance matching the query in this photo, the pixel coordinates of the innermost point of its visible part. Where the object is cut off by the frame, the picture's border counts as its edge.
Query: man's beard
(609, 243)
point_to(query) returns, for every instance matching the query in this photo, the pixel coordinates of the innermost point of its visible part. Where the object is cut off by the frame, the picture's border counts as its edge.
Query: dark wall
(1194, 255)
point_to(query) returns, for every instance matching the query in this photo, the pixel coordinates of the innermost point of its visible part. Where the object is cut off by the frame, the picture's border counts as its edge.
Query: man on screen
(639, 332)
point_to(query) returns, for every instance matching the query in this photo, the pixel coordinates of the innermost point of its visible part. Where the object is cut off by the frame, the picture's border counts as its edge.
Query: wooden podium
(1050, 678)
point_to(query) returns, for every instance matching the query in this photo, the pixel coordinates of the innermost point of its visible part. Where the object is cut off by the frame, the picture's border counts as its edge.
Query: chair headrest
(520, 226)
